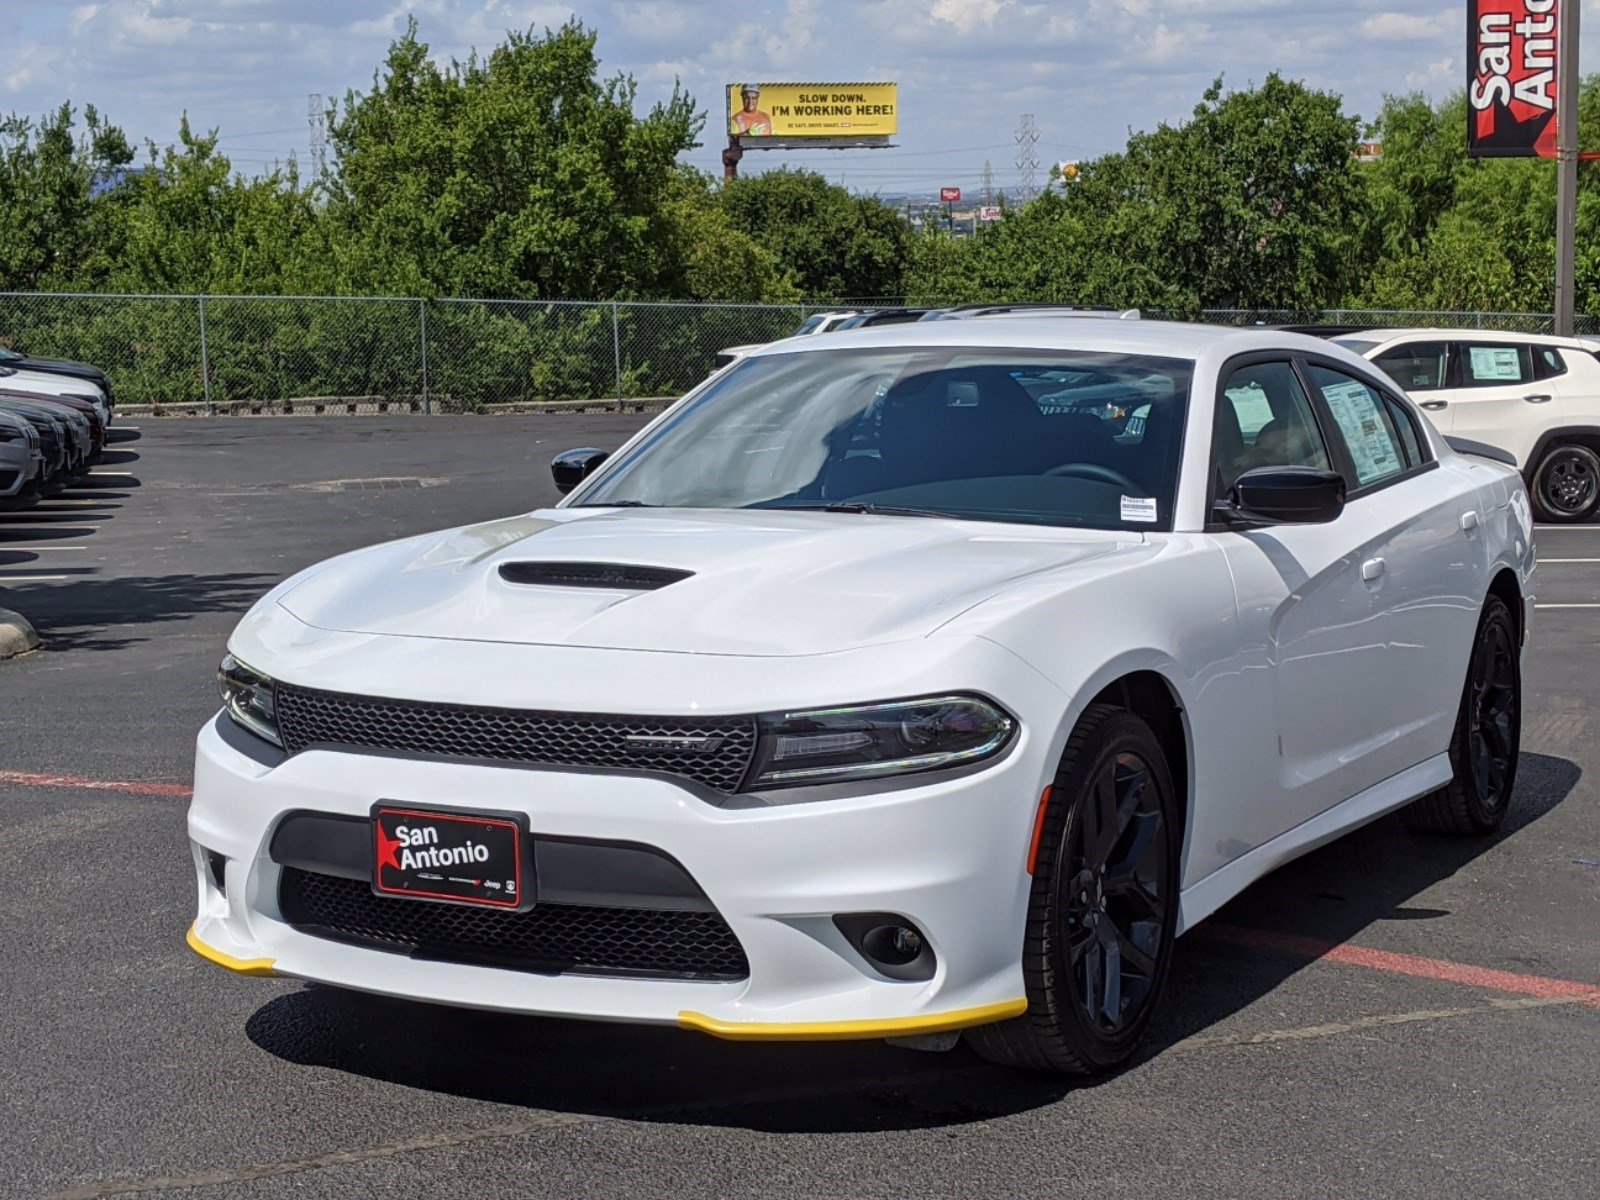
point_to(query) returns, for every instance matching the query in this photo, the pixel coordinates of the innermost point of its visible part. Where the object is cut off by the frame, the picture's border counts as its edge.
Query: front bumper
(947, 853)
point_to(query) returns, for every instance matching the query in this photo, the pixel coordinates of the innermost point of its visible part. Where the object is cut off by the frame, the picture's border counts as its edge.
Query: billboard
(799, 112)
(1511, 78)
(950, 195)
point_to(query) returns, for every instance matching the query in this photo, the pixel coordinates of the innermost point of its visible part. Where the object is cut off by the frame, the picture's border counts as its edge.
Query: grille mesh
(550, 937)
(307, 717)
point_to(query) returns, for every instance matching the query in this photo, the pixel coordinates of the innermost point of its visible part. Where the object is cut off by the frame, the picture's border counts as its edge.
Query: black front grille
(714, 751)
(551, 938)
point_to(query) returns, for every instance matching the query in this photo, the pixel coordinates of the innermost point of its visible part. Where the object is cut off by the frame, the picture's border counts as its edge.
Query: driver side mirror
(1285, 496)
(572, 467)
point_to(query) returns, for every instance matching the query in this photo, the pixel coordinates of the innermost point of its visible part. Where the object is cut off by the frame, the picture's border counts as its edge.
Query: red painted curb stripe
(1408, 964)
(134, 787)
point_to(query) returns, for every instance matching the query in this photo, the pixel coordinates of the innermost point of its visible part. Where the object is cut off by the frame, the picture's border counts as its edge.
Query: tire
(1079, 924)
(1566, 485)
(1487, 737)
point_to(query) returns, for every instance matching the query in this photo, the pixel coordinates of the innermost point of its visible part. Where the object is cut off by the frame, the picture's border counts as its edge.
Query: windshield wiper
(616, 504)
(858, 506)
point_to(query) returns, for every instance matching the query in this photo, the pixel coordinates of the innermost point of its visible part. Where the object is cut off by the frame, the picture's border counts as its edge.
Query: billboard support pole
(1567, 167)
(731, 157)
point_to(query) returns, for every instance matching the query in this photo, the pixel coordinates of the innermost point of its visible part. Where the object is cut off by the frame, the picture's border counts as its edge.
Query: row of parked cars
(54, 418)
(1534, 399)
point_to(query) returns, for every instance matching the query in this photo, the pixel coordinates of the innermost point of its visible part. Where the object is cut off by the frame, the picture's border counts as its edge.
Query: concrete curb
(17, 635)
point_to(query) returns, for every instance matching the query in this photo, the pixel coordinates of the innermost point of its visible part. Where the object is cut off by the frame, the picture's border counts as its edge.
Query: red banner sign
(1511, 77)
(950, 195)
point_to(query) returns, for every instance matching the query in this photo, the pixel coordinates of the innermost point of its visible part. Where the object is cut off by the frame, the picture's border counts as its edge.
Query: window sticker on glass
(1355, 409)
(1139, 508)
(1494, 363)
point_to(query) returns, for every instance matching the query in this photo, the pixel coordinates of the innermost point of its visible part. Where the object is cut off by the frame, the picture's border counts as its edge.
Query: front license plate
(456, 857)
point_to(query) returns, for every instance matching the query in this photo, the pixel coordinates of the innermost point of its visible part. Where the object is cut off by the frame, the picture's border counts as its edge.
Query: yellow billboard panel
(815, 110)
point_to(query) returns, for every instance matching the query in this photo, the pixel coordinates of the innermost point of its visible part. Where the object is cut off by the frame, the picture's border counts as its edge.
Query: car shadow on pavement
(652, 1074)
(89, 614)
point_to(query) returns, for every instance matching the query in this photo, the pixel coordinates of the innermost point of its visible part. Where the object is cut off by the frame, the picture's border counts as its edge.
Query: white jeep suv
(1533, 396)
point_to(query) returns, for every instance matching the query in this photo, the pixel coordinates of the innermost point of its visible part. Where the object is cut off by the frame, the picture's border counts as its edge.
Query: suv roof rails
(968, 311)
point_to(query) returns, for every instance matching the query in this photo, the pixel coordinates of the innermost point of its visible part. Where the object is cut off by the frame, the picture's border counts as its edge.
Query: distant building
(1369, 151)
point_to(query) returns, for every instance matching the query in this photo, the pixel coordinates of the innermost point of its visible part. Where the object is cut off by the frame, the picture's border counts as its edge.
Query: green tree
(48, 181)
(834, 245)
(518, 175)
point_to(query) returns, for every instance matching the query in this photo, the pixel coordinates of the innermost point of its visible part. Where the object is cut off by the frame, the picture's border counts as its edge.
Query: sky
(1088, 70)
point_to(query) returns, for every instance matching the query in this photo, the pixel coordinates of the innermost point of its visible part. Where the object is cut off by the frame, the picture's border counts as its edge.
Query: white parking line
(29, 546)
(1547, 561)
(31, 578)
(122, 474)
(1543, 607)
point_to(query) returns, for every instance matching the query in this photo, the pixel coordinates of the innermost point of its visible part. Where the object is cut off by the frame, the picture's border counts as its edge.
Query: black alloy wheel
(1566, 487)
(1488, 735)
(1104, 906)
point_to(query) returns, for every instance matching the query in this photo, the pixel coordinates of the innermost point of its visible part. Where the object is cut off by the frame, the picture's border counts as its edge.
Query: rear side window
(1365, 423)
(1495, 364)
(1406, 429)
(1416, 366)
(1547, 362)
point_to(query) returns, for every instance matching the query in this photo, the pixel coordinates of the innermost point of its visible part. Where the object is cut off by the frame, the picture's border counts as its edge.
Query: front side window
(1035, 437)
(1416, 366)
(1495, 364)
(1364, 423)
(1264, 420)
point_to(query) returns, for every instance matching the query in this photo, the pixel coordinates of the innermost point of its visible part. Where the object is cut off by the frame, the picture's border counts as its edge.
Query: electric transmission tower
(317, 119)
(988, 182)
(1027, 157)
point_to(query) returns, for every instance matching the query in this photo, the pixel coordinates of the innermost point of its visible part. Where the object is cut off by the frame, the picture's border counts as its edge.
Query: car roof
(1382, 337)
(1170, 339)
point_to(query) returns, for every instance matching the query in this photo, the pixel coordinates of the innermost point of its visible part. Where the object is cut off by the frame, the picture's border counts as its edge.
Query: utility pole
(1027, 140)
(1567, 166)
(317, 119)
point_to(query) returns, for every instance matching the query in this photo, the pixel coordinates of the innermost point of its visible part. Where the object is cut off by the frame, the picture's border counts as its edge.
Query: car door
(1314, 641)
(1413, 527)
(1496, 396)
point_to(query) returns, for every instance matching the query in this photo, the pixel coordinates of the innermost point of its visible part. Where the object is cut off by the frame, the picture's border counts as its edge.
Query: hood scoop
(611, 577)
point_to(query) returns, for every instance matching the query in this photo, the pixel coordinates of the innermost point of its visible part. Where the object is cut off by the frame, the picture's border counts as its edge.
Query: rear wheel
(1104, 907)
(1566, 486)
(1487, 738)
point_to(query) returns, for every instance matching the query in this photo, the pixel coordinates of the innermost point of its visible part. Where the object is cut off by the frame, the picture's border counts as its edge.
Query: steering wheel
(1096, 472)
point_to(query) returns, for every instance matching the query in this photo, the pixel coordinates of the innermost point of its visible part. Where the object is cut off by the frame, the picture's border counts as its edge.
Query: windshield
(1355, 345)
(1039, 437)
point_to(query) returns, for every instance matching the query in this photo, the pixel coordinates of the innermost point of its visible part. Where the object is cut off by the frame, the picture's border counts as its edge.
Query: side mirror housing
(572, 467)
(1287, 496)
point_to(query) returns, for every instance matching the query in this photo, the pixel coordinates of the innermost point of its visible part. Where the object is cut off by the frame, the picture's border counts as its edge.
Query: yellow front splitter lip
(243, 966)
(839, 1031)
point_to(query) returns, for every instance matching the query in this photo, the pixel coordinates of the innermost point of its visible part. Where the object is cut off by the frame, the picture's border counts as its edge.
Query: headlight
(872, 740)
(247, 697)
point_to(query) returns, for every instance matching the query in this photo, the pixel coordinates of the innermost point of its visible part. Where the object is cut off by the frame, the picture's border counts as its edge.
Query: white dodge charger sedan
(892, 683)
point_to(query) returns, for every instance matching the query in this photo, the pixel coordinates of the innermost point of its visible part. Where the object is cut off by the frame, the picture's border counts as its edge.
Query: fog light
(890, 944)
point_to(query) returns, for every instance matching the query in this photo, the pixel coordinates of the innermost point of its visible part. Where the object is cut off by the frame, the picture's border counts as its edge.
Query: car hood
(754, 583)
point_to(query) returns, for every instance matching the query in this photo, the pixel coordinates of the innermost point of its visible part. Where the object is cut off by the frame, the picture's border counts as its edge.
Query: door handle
(1469, 521)
(1372, 569)
(1434, 405)
(1537, 399)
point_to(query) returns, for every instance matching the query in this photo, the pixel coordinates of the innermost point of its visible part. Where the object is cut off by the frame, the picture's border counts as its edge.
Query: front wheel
(1566, 485)
(1487, 738)
(1104, 907)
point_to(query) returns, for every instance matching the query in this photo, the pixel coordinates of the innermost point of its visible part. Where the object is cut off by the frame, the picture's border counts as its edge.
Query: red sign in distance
(950, 195)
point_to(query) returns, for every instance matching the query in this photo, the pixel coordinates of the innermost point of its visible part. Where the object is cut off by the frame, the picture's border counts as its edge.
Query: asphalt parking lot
(1394, 1015)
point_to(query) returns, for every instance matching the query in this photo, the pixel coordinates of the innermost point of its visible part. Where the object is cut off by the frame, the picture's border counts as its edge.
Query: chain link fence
(288, 354)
